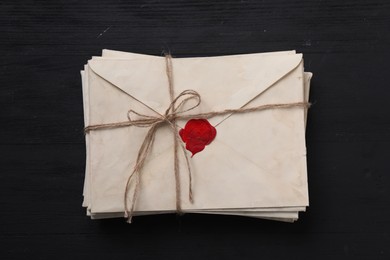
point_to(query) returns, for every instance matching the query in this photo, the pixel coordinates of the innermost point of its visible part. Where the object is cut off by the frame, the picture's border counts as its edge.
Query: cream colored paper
(118, 71)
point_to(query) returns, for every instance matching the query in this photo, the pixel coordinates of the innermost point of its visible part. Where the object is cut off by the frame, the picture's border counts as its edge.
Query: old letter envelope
(256, 166)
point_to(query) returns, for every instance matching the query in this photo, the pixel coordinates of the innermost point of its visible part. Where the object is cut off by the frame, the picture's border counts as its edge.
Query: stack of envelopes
(255, 166)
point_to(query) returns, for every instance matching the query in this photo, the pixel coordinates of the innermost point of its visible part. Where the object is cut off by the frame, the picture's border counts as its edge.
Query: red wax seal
(197, 133)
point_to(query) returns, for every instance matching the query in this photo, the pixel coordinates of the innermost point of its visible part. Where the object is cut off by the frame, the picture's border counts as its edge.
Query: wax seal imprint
(197, 133)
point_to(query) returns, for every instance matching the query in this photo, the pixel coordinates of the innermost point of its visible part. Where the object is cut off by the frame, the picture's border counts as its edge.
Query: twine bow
(169, 117)
(172, 113)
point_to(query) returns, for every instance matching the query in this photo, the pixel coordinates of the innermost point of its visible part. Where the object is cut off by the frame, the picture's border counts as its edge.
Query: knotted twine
(170, 116)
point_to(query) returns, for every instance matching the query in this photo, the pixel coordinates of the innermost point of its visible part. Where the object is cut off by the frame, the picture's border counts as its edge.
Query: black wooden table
(44, 44)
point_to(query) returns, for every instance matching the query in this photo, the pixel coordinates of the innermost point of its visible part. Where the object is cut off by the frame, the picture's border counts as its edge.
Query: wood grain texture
(43, 45)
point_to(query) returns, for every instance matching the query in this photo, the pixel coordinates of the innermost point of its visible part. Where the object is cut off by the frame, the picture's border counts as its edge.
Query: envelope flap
(228, 82)
(144, 80)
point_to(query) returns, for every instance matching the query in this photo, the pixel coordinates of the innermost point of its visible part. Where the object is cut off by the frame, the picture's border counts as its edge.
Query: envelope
(257, 161)
(269, 213)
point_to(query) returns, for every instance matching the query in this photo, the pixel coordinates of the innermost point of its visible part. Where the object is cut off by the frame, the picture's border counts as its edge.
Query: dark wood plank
(43, 46)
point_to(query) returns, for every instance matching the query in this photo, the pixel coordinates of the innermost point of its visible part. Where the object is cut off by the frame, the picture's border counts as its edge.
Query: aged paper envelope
(243, 94)
(253, 211)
